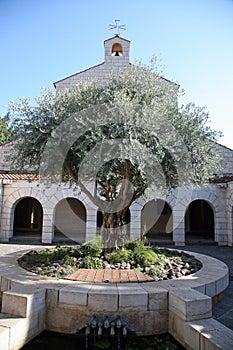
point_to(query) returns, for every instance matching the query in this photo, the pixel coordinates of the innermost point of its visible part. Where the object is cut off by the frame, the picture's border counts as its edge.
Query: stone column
(91, 223)
(135, 221)
(6, 220)
(179, 225)
(1, 210)
(47, 227)
(229, 215)
(222, 216)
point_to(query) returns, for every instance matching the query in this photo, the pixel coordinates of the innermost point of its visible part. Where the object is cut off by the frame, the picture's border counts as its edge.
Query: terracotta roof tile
(17, 177)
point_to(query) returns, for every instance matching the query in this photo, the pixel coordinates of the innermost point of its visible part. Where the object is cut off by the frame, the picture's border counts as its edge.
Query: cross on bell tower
(117, 26)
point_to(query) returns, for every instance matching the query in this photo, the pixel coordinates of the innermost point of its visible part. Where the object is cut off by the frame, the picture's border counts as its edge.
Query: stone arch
(157, 220)
(28, 217)
(10, 203)
(70, 220)
(200, 220)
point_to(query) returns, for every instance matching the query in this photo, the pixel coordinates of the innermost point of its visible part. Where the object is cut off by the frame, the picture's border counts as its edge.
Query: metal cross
(117, 26)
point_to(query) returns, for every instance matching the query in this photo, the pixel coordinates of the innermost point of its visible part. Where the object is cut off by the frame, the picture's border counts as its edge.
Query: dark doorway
(199, 221)
(28, 218)
(156, 221)
(70, 221)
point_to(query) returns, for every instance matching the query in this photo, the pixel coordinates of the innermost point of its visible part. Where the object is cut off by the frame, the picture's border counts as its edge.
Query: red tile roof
(17, 177)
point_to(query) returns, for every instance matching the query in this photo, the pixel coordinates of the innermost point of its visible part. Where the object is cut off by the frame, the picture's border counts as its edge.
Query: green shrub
(90, 262)
(119, 256)
(70, 260)
(144, 256)
(131, 244)
(92, 248)
(59, 253)
(134, 244)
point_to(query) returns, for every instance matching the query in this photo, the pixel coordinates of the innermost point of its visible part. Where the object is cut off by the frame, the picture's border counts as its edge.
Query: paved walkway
(223, 310)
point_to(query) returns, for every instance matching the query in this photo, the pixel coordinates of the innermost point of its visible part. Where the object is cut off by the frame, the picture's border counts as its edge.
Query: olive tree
(116, 141)
(6, 135)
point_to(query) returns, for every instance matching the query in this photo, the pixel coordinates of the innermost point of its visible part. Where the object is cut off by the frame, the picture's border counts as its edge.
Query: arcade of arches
(70, 220)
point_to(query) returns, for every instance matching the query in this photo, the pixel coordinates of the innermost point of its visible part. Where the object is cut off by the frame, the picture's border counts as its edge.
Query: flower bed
(62, 261)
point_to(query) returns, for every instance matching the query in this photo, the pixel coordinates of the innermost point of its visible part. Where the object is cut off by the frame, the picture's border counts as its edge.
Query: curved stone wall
(148, 307)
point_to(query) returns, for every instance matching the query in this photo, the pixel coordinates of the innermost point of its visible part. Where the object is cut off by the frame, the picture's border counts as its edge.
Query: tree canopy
(127, 136)
(6, 135)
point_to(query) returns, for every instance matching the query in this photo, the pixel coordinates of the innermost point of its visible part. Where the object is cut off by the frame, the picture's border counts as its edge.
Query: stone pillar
(135, 221)
(91, 223)
(222, 216)
(179, 226)
(229, 215)
(6, 220)
(1, 211)
(229, 218)
(47, 227)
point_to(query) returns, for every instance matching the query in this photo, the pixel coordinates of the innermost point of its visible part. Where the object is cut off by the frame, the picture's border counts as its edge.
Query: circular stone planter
(148, 308)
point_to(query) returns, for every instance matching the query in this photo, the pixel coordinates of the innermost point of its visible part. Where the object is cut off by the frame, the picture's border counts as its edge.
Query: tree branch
(83, 188)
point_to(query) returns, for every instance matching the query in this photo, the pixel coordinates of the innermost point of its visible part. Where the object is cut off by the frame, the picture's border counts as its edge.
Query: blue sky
(43, 41)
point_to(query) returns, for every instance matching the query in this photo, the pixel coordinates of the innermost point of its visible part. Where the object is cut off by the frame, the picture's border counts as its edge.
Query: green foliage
(152, 342)
(144, 256)
(6, 134)
(70, 261)
(128, 135)
(58, 253)
(90, 262)
(102, 344)
(119, 256)
(92, 248)
(139, 87)
(133, 244)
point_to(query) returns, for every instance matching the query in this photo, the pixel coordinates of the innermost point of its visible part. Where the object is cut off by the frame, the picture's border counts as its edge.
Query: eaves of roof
(83, 71)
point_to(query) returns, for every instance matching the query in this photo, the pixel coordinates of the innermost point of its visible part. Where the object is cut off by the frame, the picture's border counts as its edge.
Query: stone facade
(112, 63)
(213, 202)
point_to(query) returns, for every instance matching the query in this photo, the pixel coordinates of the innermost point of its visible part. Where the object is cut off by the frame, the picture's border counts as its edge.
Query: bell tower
(116, 51)
(116, 60)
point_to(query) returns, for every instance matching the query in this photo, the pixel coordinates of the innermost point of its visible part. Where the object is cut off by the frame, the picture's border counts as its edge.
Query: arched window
(117, 50)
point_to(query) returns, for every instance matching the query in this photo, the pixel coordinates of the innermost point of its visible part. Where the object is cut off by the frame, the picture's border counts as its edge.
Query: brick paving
(113, 276)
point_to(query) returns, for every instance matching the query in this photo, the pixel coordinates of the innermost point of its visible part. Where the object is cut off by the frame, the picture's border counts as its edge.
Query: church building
(31, 212)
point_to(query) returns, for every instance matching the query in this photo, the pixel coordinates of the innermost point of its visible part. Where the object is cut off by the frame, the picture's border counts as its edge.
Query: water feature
(51, 340)
(105, 332)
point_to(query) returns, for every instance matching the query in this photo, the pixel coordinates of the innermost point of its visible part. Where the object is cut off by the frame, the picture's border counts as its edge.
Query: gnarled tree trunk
(114, 229)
